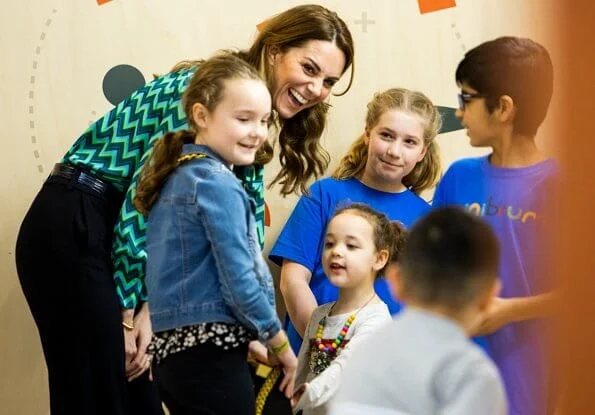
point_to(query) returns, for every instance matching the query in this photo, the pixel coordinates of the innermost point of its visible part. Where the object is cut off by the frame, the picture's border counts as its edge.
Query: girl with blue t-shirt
(387, 167)
(209, 290)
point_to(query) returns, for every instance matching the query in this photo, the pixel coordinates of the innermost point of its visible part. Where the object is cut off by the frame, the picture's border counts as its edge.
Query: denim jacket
(204, 263)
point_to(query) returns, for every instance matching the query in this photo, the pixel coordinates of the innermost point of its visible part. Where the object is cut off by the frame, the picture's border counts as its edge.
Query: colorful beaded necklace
(321, 356)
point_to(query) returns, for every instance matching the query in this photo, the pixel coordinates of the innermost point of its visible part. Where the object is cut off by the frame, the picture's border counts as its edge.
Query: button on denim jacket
(204, 262)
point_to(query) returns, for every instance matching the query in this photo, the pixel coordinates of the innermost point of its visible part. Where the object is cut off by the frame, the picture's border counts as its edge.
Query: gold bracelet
(280, 349)
(128, 326)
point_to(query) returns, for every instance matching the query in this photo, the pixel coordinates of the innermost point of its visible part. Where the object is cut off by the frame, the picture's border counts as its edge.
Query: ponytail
(162, 162)
(399, 241)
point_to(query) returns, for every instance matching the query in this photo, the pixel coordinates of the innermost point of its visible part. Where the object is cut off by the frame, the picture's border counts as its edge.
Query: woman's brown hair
(302, 157)
(205, 87)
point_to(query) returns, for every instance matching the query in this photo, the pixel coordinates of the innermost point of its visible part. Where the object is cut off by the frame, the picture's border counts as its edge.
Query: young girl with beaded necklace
(209, 290)
(359, 244)
(395, 159)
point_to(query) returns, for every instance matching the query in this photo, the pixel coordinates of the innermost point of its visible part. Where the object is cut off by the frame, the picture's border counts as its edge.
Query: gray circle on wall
(121, 81)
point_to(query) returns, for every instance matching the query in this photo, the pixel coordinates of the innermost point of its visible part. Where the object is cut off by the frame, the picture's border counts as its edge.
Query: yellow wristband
(128, 326)
(280, 349)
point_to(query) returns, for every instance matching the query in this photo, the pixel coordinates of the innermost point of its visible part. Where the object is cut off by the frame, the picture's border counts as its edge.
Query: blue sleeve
(300, 238)
(439, 199)
(224, 215)
(444, 197)
(441, 194)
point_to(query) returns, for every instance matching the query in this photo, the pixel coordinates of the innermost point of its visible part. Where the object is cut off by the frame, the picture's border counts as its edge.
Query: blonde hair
(427, 172)
(302, 156)
(206, 87)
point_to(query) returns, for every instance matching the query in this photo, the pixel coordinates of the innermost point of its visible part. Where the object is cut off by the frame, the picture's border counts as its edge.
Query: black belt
(83, 180)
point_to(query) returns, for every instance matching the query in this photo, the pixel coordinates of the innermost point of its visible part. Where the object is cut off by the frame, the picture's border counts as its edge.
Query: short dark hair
(517, 67)
(451, 257)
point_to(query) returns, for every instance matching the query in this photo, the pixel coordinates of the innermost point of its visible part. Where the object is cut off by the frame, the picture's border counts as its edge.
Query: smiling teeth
(299, 97)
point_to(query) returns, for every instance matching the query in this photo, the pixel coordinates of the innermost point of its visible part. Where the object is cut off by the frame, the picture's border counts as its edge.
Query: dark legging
(65, 270)
(206, 380)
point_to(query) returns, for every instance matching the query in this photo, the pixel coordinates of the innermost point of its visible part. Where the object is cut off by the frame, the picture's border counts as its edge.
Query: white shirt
(322, 387)
(420, 364)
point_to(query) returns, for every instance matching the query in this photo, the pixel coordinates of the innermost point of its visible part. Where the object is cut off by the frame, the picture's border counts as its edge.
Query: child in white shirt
(359, 243)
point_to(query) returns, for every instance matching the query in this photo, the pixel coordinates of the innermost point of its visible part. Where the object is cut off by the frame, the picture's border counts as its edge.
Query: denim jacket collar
(201, 148)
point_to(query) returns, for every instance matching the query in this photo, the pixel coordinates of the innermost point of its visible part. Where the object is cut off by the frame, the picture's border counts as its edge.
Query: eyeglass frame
(465, 97)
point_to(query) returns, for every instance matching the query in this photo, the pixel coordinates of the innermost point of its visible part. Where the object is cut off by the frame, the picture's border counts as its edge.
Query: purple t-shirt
(513, 201)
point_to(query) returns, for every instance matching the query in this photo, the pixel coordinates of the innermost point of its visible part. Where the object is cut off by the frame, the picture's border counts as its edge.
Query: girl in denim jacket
(209, 290)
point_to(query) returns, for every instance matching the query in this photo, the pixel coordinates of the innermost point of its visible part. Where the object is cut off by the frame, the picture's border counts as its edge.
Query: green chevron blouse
(114, 149)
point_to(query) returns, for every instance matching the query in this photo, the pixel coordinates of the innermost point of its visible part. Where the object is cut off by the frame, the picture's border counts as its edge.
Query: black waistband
(82, 180)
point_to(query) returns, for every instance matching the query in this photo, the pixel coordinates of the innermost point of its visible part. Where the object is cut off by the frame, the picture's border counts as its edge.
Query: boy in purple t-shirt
(506, 86)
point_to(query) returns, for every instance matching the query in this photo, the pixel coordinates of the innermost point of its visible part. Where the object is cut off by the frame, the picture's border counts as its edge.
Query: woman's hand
(136, 342)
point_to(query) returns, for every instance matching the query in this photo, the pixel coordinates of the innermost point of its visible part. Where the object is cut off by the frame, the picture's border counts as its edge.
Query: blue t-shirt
(302, 237)
(513, 201)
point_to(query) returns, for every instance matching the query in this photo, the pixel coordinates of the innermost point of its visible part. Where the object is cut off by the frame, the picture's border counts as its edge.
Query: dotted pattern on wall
(32, 79)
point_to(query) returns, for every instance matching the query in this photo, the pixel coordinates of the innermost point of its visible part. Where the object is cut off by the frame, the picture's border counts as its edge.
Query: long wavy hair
(427, 172)
(205, 87)
(301, 155)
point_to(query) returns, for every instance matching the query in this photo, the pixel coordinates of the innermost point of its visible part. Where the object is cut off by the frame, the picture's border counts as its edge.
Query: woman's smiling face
(304, 76)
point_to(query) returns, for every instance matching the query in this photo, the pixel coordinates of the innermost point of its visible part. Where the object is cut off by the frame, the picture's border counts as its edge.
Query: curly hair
(386, 234)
